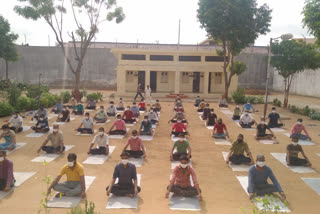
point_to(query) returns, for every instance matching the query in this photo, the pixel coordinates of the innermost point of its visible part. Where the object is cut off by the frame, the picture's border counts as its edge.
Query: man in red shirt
(180, 183)
(142, 105)
(220, 130)
(128, 116)
(120, 127)
(179, 128)
(136, 146)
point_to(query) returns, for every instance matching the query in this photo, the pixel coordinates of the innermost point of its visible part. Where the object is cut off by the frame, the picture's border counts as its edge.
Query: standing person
(111, 110)
(274, 119)
(75, 184)
(64, 116)
(7, 179)
(120, 105)
(41, 111)
(102, 141)
(10, 138)
(138, 92)
(101, 116)
(180, 183)
(236, 154)
(212, 118)
(56, 139)
(57, 108)
(87, 124)
(219, 129)
(137, 149)
(183, 148)
(236, 113)
(91, 104)
(146, 127)
(223, 103)
(120, 126)
(293, 150)
(297, 130)
(126, 173)
(147, 94)
(42, 125)
(16, 121)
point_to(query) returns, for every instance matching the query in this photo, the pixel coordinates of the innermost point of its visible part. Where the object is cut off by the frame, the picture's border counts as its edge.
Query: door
(196, 82)
(141, 79)
(153, 81)
(209, 85)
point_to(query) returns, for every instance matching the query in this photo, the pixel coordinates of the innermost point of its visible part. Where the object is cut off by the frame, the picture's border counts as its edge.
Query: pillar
(147, 78)
(121, 79)
(177, 82)
(206, 83)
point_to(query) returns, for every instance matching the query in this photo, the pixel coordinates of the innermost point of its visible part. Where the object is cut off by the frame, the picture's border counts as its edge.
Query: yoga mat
(119, 137)
(69, 202)
(80, 134)
(124, 202)
(302, 142)
(227, 112)
(26, 128)
(101, 124)
(236, 121)
(234, 167)
(154, 126)
(276, 202)
(249, 129)
(20, 177)
(34, 134)
(222, 142)
(267, 142)
(142, 112)
(136, 161)
(277, 130)
(147, 137)
(99, 159)
(62, 123)
(173, 138)
(314, 183)
(200, 112)
(54, 115)
(200, 117)
(45, 157)
(297, 169)
(176, 163)
(18, 146)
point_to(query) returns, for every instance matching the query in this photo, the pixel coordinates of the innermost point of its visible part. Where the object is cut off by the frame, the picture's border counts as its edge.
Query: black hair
(72, 156)
(101, 129)
(299, 120)
(184, 157)
(124, 153)
(5, 126)
(134, 132)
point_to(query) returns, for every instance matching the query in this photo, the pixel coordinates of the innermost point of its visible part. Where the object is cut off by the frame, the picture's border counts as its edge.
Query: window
(164, 77)
(133, 57)
(161, 58)
(214, 59)
(129, 76)
(185, 77)
(218, 78)
(190, 58)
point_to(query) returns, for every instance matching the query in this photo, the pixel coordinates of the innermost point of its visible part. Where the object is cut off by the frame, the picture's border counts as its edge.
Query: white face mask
(41, 119)
(134, 137)
(181, 139)
(1, 159)
(87, 118)
(262, 122)
(183, 165)
(260, 163)
(145, 120)
(237, 106)
(100, 133)
(70, 164)
(179, 121)
(124, 161)
(118, 119)
(5, 132)
(55, 130)
(299, 123)
(151, 111)
(273, 111)
(294, 143)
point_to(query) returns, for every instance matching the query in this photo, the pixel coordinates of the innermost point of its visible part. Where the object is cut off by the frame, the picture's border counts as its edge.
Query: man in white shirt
(111, 110)
(102, 141)
(246, 120)
(16, 121)
(147, 94)
(152, 116)
(87, 124)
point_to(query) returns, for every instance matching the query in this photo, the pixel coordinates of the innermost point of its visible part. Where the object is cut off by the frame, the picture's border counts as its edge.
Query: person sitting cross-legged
(87, 124)
(142, 105)
(261, 131)
(102, 142)
(126, 173)
(180, 184)
(101, 116)
(64, 116)
(178, 116)
(212, 118)
(10, 138)
(57, 108)
(146, 127)
(7, 179)
(111, 110)
(91, 104)
(236, 113)
(71, 104)
(183, 148)
(293, 150)
(157, 106)
(128, 116)
(78, 109)
(197, 101)
(56, 139)
(223, 103)
(246, 120)
(258, 180)
(16, 121)
(137, 149)
(41, 111)
(75, 184)
(120, 105)
(206, 112)
(297, 129)
(120, 126)
(248, 107)
(220, 130)
(179, 128)
(135, 109)
(236, 154)
(153, 116)
(42, 125)
(201, 106)
(274, 119)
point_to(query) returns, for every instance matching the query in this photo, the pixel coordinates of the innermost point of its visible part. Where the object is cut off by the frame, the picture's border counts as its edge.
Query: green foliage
(95, 96)
(112, 96)
(276, 102)
(51, 98)
(311, 19)
(65, 96)
(268, 204)
(239, 96)
(84, 92)
(13, 94)
(88, 209)
(306, 111)
(8, 49)
(33, 90)
(238, 67)
(315, 115)
(47, 181)
(5, 109)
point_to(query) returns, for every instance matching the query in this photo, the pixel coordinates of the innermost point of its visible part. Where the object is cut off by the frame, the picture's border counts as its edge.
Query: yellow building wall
(216, 88)
(165, 87)
(132, 85)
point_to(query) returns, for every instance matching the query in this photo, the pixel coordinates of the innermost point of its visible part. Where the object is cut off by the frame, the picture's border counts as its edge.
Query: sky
(156, 21)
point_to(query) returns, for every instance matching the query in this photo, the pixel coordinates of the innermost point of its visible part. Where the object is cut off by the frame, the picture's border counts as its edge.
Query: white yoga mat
(34, 134)
(227, 112)
(63, 123)
(136, 161)
(277, 130)
(147, 137)
(208, 127)
(81, 134)
(276, 202)
(297, 169)
(124, 202)
(302, 142)
(267, 142)
(176, 163)
(101, 124)
(173, 138)
(154, 126)
(99, 159)
(18, 146)
(236, 121)
(314, 183)
(119, 137)
(200, 117)
(54, 115)
(45, 157)
(20, 177)
(69, 202)
(222, 141)
(26, 128)
(234, 167)
(200, 112)
(249, 129)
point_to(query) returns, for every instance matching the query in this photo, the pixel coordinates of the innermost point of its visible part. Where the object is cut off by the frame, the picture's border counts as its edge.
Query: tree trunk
(7, 74)
(76, 91)
(286, 93)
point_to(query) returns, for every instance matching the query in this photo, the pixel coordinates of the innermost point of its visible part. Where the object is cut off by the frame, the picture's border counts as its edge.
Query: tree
(95, 12)
(237, 24)
(291, 57)
(311, 19)
(8, 50)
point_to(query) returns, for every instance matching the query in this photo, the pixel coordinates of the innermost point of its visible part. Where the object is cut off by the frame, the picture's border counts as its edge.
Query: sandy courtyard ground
(222, 192)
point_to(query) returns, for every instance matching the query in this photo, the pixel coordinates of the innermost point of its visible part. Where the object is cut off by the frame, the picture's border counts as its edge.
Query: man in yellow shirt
(75, 184)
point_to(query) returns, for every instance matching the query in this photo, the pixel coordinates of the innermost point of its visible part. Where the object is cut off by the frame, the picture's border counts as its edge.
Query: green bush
(44, 102)
(276, 102)
(5, 109)
(13, 94)
(238, 96)
(26, 104)
(22, 86)
(52, 99)
(65, 96)
(33, 90)
(306, 111)
(315, 116)
(33, 104)
(87, 209)
(251, 99)
(95, 96)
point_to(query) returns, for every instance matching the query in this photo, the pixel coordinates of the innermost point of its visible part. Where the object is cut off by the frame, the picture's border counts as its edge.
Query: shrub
(251, 99)
(22, 86)
(87, 209)
(52, 98)
(44, 102)
(5, 109)
(315, 116)
(33, 90)
(95, 96)
(276, 102)
(33, 104)
(238, 96)
(13, 94)
(306, 111)
(26, 104)
(65, 96)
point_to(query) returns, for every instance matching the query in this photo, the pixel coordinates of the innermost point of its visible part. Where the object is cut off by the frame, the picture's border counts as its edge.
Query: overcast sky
(151, 21)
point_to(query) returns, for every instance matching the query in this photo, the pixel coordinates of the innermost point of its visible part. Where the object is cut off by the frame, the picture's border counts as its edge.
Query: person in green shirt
(78, 109)
(183, 148)
(101, 116)
(236, 154)
(236, 113)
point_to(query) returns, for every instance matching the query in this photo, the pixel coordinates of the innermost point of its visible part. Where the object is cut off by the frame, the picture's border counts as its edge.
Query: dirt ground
(222, 192)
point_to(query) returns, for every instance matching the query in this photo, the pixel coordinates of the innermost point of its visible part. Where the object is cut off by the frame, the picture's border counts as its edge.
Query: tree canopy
(311, 19)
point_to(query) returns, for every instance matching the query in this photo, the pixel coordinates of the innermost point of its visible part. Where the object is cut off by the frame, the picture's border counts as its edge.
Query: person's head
(157, 101)
(124, 158)
(246, 113)
(179, 120)
(145, 118)
(295, 140)
(151, 110)
(198, 97)
(181, 137)
(260, 160)
(148, 86)
(222, 96)
(128, 108)
(55, 128)
(41, 117)
(142, 99)
(207, 104)
(72, 98)
(240, 138)
(101, 108)
(299, 121)
(262, 121)
(237, 105)
(101, 131)
(120, 98)
(220, 121)
(202, 100)
(87, 115)
(211, 111)
(273, 110)
(184, 161)
(59, 101)
(134, 103)
(91, 99)
(72, 158)
(111, 103)
(79, 103)
(41, 107)
(16, 114)
(134, 134)
(3, 155)
(5, 128)
(248, 102)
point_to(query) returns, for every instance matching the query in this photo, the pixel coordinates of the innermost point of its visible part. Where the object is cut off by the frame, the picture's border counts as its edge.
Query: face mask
(70, 164)
(181, 139)
(5, 132)
(262, 122)
(179, 121)
(118, 119)
(220, 122)
(111, 105)
(237, 106)
(240, 141)
(87, 118)
(127, 109)
(260, 163)
(145, 121)
(246, 115)
(151, 111)
(1, 159)
(41, 119)
(124, 161)
(294, 143)
(273, 111)
(55, 130)
(211, 112)
(101, 110)
(299, 123)
(100, 133)
(183, 165)
(134, 137)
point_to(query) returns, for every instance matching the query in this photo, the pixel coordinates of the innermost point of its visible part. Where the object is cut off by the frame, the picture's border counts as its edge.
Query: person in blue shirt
(197, 102)
(248, 107)
(146, 127)
(274, 119)
(135, 109)
(42, 125)
(58, 107)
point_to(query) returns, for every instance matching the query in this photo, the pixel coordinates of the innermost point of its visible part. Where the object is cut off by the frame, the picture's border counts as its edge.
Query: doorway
(209, 85)
(153, 81)
(196, 82)
(141, 79)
